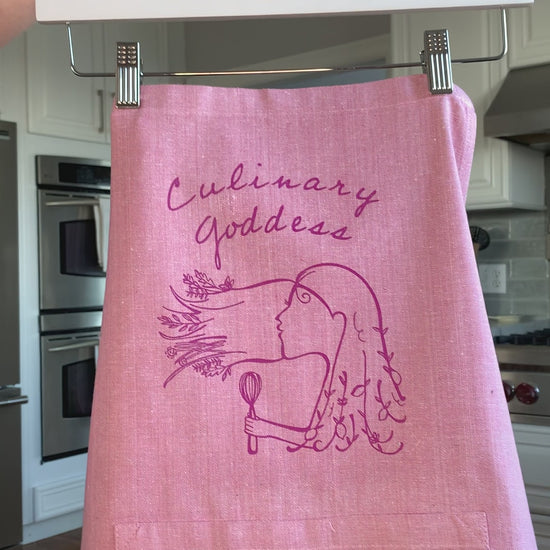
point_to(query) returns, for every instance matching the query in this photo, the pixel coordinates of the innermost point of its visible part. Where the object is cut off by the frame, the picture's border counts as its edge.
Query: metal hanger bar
(421, 63)
(504, 44)
(72, 63)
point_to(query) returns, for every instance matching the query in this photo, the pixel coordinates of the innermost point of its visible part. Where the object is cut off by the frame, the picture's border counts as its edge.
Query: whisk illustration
(250, 386)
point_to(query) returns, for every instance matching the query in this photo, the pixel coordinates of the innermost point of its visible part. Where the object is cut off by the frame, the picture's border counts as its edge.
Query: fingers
(250, 425)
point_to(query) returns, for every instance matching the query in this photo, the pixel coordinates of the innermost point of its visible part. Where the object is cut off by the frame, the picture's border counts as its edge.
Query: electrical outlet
(493, 278)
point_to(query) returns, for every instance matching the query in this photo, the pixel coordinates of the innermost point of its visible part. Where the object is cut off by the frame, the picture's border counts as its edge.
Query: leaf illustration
(387, 356)
(360, 389)
(200, 286)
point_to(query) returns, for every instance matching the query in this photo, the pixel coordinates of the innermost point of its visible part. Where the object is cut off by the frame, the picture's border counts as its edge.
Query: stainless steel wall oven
(72, 211)
(68, 360)
(73, 219)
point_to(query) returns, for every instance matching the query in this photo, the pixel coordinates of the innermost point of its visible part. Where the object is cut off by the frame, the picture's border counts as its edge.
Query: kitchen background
(519, 241)
(59, 114)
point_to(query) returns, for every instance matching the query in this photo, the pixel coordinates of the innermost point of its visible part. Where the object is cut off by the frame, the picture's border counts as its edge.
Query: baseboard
(58, 498)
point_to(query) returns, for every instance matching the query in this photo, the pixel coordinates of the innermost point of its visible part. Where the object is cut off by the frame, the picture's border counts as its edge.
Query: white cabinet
(503, 174)
(529, 33)
(61, 104)
(533, 444)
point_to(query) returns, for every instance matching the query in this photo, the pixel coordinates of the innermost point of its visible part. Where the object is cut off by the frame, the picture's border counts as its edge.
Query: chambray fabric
(295, 352)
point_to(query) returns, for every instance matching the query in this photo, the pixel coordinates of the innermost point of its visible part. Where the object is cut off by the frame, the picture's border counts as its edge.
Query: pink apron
(295, 352)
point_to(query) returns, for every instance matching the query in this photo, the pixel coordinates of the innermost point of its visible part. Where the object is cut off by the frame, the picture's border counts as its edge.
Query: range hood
(520, 111)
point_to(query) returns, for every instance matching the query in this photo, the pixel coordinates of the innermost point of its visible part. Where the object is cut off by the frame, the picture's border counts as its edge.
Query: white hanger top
(106, 10)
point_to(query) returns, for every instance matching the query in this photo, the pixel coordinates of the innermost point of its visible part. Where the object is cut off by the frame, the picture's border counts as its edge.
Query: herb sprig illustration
(201, 286)
(184, 329)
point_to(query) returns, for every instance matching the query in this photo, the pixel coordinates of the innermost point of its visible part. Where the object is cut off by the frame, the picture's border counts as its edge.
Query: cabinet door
(530, 34)
(13, 79)
(60, 103)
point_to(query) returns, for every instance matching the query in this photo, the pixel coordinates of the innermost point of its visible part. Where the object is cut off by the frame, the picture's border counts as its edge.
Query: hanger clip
(436, 61)
(128, 74)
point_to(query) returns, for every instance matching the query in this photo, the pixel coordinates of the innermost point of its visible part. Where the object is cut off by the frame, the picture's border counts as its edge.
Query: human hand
(257, 427)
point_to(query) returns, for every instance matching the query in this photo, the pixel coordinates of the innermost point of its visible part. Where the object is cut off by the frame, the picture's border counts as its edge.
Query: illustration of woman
(333, 313)
(326, 348)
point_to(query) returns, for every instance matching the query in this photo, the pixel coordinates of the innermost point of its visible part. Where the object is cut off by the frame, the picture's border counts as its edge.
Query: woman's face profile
(303, 324)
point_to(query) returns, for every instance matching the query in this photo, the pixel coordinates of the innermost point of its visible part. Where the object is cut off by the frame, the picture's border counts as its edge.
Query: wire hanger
(435, 61)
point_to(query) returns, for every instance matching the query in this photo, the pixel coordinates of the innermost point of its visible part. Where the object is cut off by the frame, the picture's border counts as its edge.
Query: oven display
(84, 174)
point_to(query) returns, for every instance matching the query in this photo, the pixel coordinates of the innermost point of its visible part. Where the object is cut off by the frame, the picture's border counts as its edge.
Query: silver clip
(128, 74)
(436, 60)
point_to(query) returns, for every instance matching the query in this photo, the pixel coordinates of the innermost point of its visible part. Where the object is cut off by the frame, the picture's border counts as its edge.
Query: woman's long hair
(362, 394)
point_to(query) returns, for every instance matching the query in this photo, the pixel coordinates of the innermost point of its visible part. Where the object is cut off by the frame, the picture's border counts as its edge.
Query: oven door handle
(21, 400)
(76, 345)
(74, 202)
